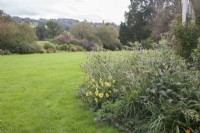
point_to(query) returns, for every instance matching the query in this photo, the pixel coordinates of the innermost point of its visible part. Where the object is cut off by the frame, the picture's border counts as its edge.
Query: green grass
(38, 95)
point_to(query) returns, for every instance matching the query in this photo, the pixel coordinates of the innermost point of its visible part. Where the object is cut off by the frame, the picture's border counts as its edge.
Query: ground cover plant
(38, 95)
(143, 91)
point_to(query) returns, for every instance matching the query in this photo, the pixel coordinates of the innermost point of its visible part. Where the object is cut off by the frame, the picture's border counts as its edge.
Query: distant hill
(65, 22)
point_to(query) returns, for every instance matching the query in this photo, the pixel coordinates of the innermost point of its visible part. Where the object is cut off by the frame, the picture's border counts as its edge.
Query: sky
(90, 10)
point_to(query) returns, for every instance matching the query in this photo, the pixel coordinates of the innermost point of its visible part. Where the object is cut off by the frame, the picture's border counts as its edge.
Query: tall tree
(147, 18)
(49, 30)
(53, 29)
(138, 18)
(166, 11)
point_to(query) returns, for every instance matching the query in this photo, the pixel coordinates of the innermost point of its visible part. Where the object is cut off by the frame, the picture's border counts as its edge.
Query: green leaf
(177, 129)
(161, 92)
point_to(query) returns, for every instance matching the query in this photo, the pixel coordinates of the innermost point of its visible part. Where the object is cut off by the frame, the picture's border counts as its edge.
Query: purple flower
(64, 38)
(173, 38)
(89, 46)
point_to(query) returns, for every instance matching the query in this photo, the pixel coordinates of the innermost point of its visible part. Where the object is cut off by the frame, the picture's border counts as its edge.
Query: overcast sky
(91, 10)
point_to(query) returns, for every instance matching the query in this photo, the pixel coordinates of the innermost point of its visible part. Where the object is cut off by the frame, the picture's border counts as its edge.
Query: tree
(4, 17)
(109, 37)
(165, 13)
(41, 32)
(48, 30)
(137, 19)
(124, 34)
(53, 29)
(17, 38)
(83, 31)
(147, 18)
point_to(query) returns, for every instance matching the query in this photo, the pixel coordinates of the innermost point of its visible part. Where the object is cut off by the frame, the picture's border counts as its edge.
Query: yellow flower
(96, 100)
(100, 80)
(187, 131)
(107, 84)
(97, 92)
(89, 93)
(102, 84)
(107, 95)
(93, 80)
(101, 95)
(113, 81)
(97, 85)
(109, 77)
(114, 90)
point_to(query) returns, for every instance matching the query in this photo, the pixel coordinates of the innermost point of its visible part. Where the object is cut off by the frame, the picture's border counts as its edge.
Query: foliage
(63, 39)
(124, 34)
(82, 31)
(53, 29)
(147, 43)
(4, 17)
(18, 38)
(89, 46)
(137, 20)
(48, 45)
(109, 37)
(142, 91)
(64, 47)
(5, 52)
(186, 38)
(49, 30)
(51, 50)
(165, 13)
(196, 56)
(75, 48)
(147, 18)
(89, 37)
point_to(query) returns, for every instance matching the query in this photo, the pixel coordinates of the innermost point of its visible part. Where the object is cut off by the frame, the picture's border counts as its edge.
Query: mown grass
(38, 95)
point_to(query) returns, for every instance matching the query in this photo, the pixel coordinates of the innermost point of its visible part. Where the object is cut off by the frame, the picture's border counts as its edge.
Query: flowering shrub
(62, 39)
(153, 91)
(99, 91)
(89, 46)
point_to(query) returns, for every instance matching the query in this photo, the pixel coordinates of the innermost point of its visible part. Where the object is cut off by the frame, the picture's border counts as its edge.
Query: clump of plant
(143, 91)
(186, 38)
(196, 57)
(147, 43)
(49, 47)
(64, 47)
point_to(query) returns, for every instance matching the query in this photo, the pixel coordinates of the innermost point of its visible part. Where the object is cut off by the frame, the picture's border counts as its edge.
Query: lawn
(38, 95)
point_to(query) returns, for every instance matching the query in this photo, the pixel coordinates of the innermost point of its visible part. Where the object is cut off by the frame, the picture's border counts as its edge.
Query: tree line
(148, 18)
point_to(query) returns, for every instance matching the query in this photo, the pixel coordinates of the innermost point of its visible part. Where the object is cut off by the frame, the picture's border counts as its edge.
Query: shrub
(142, 91)
(51, 50)
(78, 48)
(64, 47)
(5, 52)
(73, 49)
(109, 37)
(49, 45)
(14, 37)
(186, 38)
(27, 48)
(89, 46)
(196, 57)
(147, 43)
(63, 39)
